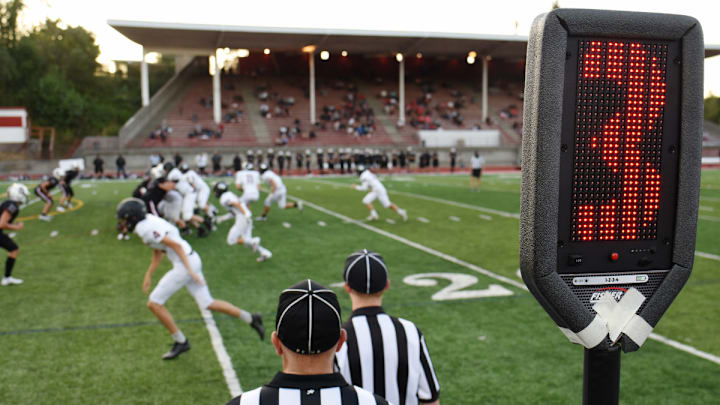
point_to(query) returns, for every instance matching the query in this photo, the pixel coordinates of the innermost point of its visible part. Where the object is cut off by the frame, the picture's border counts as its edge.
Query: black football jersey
(12, 207)
(70, 176)
(154, 193)
(52, 182)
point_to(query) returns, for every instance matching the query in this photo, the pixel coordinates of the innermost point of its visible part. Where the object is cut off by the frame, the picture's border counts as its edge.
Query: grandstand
(362, 96)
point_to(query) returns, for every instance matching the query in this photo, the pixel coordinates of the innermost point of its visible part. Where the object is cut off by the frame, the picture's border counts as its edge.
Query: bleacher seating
(195, 110)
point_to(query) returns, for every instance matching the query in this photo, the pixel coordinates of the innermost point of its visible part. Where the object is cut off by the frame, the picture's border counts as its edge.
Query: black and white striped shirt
(293, 389)
(387, 356)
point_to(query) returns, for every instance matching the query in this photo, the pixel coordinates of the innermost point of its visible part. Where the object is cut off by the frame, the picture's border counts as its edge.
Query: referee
(383, 354)
(307, 335)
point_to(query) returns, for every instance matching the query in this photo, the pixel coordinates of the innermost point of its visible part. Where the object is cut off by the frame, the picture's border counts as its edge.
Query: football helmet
(249, 166)
(184, 168)
(360, 169)
(58, 173)
(131, 211)
(18, 192)
(168, 166)
(174, 175)
(219, 188)
(263, 167)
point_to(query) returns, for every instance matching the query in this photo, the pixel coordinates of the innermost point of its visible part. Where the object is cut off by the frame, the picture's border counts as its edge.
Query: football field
(78, 331)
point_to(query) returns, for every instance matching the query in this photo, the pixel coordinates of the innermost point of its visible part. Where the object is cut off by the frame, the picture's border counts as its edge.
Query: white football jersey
(181, 185)
(248, 179)
(227, 200)
(270, 177)
(152, 230)
(369, 179)
(194, 179)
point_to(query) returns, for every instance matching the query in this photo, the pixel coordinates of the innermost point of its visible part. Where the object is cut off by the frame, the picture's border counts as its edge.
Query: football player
(202, 190)
(189, 199)
(66, 177)
(164, 239)
(377, 190)
(17, 196)
(248, 180)
(42, 190)
(241, 232)
(278, 193)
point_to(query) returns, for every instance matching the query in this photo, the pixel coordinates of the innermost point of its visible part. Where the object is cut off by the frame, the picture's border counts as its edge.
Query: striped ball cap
(365, 272)
(308, 318)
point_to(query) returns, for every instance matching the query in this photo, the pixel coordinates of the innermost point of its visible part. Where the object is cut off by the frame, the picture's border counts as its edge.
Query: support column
(144, 81)
(401, 93)
(217, 93)
(485, 60)
(311, 58)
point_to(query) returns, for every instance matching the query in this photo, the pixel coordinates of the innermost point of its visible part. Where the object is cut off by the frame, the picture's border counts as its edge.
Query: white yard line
(706, 208)
(709, 218)
(442, 201)
(707, 255)
(223, 357)
(653, 336)
(685, 348)
(415, 245)
(34, 200)
(712, 199)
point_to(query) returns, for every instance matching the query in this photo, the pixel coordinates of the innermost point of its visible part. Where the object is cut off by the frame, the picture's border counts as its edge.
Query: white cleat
(403, 214)
(260, 219)
(11, 281)
(265, 256)
(373, 217)
(45, 218)
(120, 236)
(60, 208)
(300, 205)
(127, 237)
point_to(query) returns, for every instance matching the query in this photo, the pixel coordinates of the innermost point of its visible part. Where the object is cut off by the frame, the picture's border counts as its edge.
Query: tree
(712, 109)
(9, 22)
(52, 70)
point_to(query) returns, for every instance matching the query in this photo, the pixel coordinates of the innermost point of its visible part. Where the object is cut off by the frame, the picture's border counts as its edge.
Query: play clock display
(619, 151)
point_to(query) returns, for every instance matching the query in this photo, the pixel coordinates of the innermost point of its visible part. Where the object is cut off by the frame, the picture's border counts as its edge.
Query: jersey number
(458, 282)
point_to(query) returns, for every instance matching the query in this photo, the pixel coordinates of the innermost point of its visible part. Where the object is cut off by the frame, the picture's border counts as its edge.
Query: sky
(506, 17)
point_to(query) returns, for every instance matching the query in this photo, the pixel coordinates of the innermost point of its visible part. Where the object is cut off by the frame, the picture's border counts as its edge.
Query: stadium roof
(200, 39)
(204, 39)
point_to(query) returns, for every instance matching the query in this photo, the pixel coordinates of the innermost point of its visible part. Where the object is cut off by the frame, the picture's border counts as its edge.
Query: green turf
(78, 330)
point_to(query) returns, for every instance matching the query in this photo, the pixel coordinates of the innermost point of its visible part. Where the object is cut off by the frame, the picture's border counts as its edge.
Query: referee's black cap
(308, 319)
(365, 272)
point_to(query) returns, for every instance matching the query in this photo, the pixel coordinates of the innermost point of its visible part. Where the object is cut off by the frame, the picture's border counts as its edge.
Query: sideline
(222, 355)
(654, 336)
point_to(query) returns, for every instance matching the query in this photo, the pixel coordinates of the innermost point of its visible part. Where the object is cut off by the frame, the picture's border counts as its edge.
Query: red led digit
(621, 94)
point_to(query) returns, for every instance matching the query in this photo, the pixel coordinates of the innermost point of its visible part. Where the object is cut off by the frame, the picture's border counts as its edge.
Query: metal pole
(485, 89)
(601, 377)
(217, 93)
(311, 58)
(144, 81)
(401, 79)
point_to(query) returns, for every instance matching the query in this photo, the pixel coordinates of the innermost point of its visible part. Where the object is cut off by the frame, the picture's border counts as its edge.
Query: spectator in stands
(435, 160)
(453, 158)
(216, 160)
(201, 160)
(120, 164)
(98, 162)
